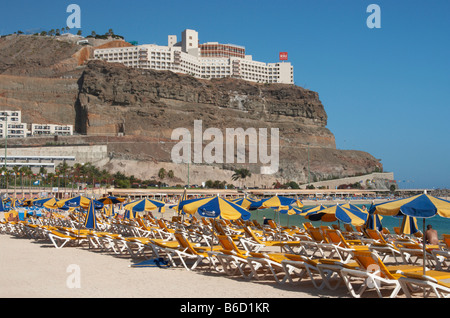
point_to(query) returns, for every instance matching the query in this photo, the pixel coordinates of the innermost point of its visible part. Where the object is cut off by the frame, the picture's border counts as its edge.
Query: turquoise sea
(440, 224)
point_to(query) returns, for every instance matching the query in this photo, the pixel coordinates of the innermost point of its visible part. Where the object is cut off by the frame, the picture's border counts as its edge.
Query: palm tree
(24, 171)
(15, 171)
(4, 172)
(241, 174)
(63, 168)
(162, 173)
(50, 176)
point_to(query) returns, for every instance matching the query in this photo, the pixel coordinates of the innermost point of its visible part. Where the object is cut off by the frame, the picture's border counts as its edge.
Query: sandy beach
(36, 269)
(33, 269)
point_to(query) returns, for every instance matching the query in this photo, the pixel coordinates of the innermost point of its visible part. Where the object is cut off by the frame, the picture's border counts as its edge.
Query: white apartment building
(208, 60)
(17, 129)
(50, 129)
(13, 116)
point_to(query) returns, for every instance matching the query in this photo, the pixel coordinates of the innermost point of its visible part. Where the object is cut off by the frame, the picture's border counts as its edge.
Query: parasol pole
(424, 242)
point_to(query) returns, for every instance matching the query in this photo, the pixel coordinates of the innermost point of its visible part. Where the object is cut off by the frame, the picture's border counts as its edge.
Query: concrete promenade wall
(332, 184)
(82, 154)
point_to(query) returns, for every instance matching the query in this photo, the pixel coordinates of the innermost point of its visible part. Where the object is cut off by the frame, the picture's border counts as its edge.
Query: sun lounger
(300, 267)
(412, 253)
(233, 263)
(60, 240)
(436, 282)
(341, 247)
(384, 248)
(317, 244)
(372, 273)
(252, 241)
(269, 264)
(186, 252)
(442, 255)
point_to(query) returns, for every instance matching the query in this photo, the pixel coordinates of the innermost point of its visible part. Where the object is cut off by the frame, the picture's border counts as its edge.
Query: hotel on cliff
(208, 60)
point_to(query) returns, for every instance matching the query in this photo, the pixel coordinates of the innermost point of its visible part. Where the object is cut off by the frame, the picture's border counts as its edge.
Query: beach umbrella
(143, 205)
(306, 213)
(283, 205)
(183, 198)
(341, 213)
(418, 206)
(244, 202)
(78, 201)
(289, 210)
(257, 204)
(374, 222)
(109, 200)
(28, 202)
(215, 207)
(277, 201)
(90, 221)
(313, 214)
(49, 203)
(409, 225)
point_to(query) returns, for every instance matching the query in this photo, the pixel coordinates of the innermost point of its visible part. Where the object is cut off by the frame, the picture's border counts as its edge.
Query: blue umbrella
(49, 203)
(143, 205)
(419, 206)
(343, 213)
(214, 207)
(90, 221)
(373, 220)
(245, 202)
(111, 200)
(409, 225)
(78, 201)
(257, 204)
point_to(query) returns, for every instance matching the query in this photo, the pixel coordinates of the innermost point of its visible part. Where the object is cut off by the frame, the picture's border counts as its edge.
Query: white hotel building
(17, 129)
(208, 60)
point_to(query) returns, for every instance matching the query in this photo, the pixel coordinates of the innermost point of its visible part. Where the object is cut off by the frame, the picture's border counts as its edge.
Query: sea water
(440, 224)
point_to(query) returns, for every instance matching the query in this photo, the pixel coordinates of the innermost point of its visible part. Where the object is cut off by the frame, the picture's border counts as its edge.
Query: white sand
(37, 269)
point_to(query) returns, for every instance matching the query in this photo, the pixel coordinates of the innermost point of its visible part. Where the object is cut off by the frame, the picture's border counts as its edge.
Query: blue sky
(386, 91)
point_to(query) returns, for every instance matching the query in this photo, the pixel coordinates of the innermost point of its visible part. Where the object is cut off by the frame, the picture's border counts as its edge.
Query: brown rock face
(37, 56)
(148, 103)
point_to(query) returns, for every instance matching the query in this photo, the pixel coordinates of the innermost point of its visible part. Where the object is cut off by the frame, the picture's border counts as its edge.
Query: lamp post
(5, 131)
(6, 136)
(308, 162)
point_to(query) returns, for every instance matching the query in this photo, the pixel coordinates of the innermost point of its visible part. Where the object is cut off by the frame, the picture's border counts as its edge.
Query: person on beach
(13, 217)
(431, 236)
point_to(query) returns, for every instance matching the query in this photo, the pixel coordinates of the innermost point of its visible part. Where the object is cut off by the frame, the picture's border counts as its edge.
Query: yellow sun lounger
(253, 240)
(60, 240)
(268, 263)
(436, 282)
(186, 251)
(374, 274)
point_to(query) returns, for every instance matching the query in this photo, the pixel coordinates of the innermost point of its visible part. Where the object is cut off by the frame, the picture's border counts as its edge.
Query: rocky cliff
(116, 99)
(51, 83)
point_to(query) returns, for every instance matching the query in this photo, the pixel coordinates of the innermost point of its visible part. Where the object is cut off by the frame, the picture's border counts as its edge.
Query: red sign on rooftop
(283, 56)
